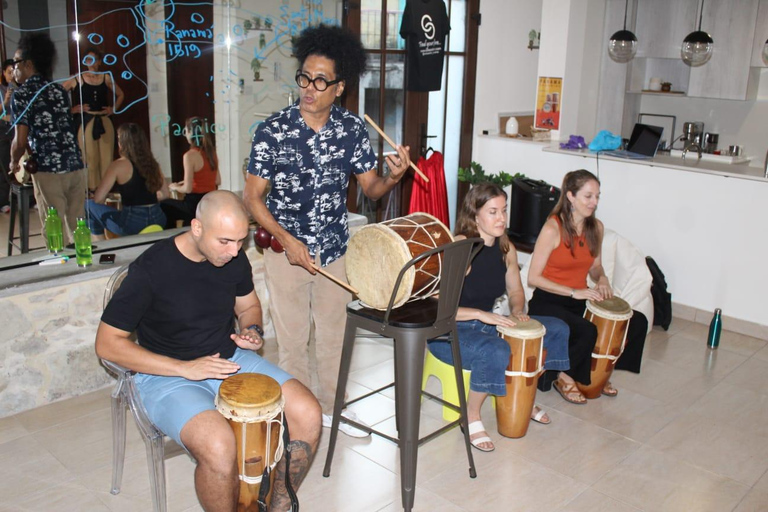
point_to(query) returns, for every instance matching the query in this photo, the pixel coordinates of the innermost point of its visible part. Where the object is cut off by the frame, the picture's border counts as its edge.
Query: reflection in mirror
(159, 63)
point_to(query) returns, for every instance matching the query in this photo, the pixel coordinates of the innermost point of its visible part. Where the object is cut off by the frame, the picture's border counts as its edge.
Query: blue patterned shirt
(44, 108)
(310, 174)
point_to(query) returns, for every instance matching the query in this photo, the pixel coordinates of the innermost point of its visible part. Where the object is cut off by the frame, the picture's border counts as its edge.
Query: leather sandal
(569, 392)
(475, 428)
(540, 416)
(609, 390)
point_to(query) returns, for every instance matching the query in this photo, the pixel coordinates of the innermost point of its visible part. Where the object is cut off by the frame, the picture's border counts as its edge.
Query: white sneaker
(344, 427)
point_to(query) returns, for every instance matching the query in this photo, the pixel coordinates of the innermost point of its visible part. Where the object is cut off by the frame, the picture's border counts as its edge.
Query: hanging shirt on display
(425, 26)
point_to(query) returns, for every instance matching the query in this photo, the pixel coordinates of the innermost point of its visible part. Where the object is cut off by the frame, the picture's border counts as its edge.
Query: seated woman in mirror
(137, 176)
(494, 271)
(93, 94)
(201, 173)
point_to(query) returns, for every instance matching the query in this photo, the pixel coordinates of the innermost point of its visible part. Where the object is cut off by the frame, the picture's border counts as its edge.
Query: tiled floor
(687, 434)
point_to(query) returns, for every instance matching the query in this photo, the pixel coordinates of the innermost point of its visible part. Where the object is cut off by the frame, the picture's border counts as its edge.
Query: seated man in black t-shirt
(182, 296)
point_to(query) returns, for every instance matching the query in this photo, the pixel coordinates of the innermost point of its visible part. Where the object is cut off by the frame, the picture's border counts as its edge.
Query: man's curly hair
(337, 44)
(38, 47)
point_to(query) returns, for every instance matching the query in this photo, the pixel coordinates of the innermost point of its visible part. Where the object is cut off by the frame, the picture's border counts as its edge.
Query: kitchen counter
(690, 164)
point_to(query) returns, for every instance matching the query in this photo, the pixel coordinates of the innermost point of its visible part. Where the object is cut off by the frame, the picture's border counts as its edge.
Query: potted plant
(475, 174)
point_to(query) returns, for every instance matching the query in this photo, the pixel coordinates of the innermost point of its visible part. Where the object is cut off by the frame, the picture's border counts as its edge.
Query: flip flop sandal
(474, 428)
(613, 391)
(539, 416)
(566, 389)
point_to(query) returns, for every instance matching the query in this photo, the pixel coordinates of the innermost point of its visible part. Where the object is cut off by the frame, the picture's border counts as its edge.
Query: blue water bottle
(715, 326)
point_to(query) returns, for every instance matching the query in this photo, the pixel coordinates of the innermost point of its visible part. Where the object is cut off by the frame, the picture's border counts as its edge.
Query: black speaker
(531, 203)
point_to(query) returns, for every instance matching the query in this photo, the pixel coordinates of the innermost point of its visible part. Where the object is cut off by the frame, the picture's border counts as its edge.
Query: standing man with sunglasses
(41, 115)
(307, 152)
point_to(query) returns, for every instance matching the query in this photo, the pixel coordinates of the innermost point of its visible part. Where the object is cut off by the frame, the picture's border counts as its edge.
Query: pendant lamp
(622, 46)
(697, 46)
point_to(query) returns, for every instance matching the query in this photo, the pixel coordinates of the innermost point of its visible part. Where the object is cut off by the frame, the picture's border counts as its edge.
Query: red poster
(548, 103)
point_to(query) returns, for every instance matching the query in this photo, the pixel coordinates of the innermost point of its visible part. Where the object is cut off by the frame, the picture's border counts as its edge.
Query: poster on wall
(548, 102)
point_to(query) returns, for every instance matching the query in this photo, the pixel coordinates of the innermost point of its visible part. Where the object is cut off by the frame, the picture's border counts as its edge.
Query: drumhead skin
(249, 396)
(375, 256)
(377, 253)
(614, 308)
(529, 330)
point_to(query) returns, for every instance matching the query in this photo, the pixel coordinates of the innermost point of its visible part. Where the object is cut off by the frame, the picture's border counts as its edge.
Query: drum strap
(265, 487)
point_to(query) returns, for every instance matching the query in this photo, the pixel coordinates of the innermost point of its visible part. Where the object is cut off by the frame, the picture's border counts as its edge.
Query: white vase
(511, 127)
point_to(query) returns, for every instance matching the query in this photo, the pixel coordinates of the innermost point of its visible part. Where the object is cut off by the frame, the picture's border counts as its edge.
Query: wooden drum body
(526, 364)
(611, 317)
(377, 253)
(253, 405)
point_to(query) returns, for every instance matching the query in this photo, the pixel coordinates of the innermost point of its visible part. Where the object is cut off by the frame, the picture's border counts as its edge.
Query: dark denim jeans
(128, 221)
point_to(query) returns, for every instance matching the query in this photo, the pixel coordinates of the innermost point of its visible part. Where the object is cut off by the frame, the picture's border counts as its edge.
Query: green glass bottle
(53, 235)
(83, 248)
(715, 326)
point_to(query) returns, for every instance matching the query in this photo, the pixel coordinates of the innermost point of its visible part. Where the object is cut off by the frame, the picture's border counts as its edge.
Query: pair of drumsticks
(413, 166)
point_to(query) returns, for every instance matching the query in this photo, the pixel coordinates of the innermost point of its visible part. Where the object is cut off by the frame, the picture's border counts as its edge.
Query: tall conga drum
(253, 405)
(377, 253)
(526, 364)
(611, 317)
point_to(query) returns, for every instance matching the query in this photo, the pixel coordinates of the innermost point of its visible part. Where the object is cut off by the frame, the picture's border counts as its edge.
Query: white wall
(698, 227)
(506, 68)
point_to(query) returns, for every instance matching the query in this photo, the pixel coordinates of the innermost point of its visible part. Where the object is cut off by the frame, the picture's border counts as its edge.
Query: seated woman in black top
(137, 176)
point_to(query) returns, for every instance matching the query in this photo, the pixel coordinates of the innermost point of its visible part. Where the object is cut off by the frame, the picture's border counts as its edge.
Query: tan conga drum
(611, 317)
(253, 405)
(526, 364)
(378, 252)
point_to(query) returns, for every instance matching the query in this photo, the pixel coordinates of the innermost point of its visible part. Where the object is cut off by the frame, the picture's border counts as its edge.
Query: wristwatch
(257, 328)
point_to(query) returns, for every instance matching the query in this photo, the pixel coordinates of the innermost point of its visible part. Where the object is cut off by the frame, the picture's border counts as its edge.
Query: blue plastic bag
(605, 141)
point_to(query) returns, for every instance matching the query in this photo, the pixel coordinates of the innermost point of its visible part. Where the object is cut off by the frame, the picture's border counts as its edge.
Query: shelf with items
(672, 71)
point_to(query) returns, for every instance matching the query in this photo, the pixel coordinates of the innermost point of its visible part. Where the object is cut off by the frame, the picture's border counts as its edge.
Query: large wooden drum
(378, 252)
(611, 317)
(526, 364)
(253, 405)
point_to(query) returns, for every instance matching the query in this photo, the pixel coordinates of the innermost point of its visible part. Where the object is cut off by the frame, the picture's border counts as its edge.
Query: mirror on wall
(228, 61)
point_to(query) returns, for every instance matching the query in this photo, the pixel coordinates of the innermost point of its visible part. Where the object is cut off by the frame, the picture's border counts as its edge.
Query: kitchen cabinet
(661, 26)
(731, 23)
(761, 34)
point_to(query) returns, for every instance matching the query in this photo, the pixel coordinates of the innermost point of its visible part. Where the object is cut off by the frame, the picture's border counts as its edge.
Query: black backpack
(662, 299)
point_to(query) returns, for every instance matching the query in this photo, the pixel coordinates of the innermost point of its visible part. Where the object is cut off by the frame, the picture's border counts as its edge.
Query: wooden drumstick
(336, 280)
(394, 146)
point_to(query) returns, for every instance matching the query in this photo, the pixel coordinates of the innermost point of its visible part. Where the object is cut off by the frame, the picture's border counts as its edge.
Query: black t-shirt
(180, 308)
(486, 280)
(424, 27)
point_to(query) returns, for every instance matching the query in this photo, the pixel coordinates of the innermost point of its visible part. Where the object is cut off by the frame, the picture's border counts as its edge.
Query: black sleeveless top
(95, 96)
(134, 191)
(485, 282)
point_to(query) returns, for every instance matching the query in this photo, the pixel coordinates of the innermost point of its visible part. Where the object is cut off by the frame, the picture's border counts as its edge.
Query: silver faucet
(692, 146)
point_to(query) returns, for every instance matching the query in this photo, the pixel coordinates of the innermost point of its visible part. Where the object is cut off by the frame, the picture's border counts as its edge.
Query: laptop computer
(642, 144)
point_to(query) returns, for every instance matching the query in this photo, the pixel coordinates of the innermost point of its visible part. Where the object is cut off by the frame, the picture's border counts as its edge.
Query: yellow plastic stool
(445, 374)
(152, 228)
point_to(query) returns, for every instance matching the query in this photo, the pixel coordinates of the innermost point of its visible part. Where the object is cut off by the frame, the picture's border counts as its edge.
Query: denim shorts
(172, 401)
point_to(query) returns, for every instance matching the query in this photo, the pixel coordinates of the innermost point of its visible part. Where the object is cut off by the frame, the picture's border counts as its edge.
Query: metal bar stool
(410, 326)
(20, 201)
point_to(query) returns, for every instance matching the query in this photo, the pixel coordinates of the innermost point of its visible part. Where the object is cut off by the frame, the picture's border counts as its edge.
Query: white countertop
(690, 164)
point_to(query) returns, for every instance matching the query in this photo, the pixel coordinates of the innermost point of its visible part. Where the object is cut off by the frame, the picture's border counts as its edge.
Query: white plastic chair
(125, 395)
